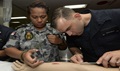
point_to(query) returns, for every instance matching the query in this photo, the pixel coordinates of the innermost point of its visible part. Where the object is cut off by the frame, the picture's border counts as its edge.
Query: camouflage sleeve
(13, 40)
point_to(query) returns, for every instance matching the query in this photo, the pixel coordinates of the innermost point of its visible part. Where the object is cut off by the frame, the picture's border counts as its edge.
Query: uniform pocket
(110, 31)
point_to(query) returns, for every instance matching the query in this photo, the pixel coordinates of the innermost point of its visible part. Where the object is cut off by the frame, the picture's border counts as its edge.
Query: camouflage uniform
(27, 37)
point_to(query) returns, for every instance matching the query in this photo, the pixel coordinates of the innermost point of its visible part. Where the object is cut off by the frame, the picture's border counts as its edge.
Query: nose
(69, 33)
(39, 19)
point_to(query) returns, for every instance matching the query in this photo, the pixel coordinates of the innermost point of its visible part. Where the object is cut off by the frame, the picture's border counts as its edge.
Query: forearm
(2, 53)
(13, 52)
(75, 50)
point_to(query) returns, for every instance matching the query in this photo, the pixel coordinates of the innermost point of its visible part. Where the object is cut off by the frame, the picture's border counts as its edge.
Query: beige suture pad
(60, 66)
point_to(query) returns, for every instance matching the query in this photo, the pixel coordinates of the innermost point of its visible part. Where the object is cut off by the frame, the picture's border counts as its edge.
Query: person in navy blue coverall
(4, 36)
(92, 35)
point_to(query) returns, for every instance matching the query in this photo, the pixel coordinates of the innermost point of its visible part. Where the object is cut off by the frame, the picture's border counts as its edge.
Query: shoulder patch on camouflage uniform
(28, 35)
(23, 25)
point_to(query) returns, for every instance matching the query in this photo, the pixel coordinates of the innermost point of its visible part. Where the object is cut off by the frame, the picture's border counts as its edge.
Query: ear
(77, 15)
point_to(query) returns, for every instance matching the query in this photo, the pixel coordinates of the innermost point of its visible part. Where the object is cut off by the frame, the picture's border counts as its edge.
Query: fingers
(109, 59)
(77, 58)
(50, 37)
(74, 60)
(104, 60)
(32, 62)
(19, 63)
(35, 64)
(113, 61)
(16, 66)
(32, 50)
(80, 58)
(27, 56)
(118, 62)
(54, 39)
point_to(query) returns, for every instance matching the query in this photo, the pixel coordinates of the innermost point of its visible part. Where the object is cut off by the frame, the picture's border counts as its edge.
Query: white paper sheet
(5, 66)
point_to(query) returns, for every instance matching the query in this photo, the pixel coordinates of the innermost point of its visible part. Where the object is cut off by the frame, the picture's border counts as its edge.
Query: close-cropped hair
(39, 4)
(61, 13)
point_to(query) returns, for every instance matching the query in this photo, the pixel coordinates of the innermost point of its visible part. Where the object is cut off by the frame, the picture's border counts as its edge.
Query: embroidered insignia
(28, 35)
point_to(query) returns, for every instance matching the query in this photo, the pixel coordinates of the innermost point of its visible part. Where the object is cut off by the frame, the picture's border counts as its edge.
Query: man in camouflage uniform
(35, 39)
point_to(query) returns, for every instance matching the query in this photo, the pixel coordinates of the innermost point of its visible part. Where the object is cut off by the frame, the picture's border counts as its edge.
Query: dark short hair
(38, 4)
(61, 13)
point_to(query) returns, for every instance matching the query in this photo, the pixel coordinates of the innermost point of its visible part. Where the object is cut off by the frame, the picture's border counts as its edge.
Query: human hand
(111, 58)
(77, 58)
(18, 66)
(54, 39)
(32, 62)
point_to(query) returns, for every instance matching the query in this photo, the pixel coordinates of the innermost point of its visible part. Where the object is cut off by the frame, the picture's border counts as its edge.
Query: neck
(86, 18)
(40, 28)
